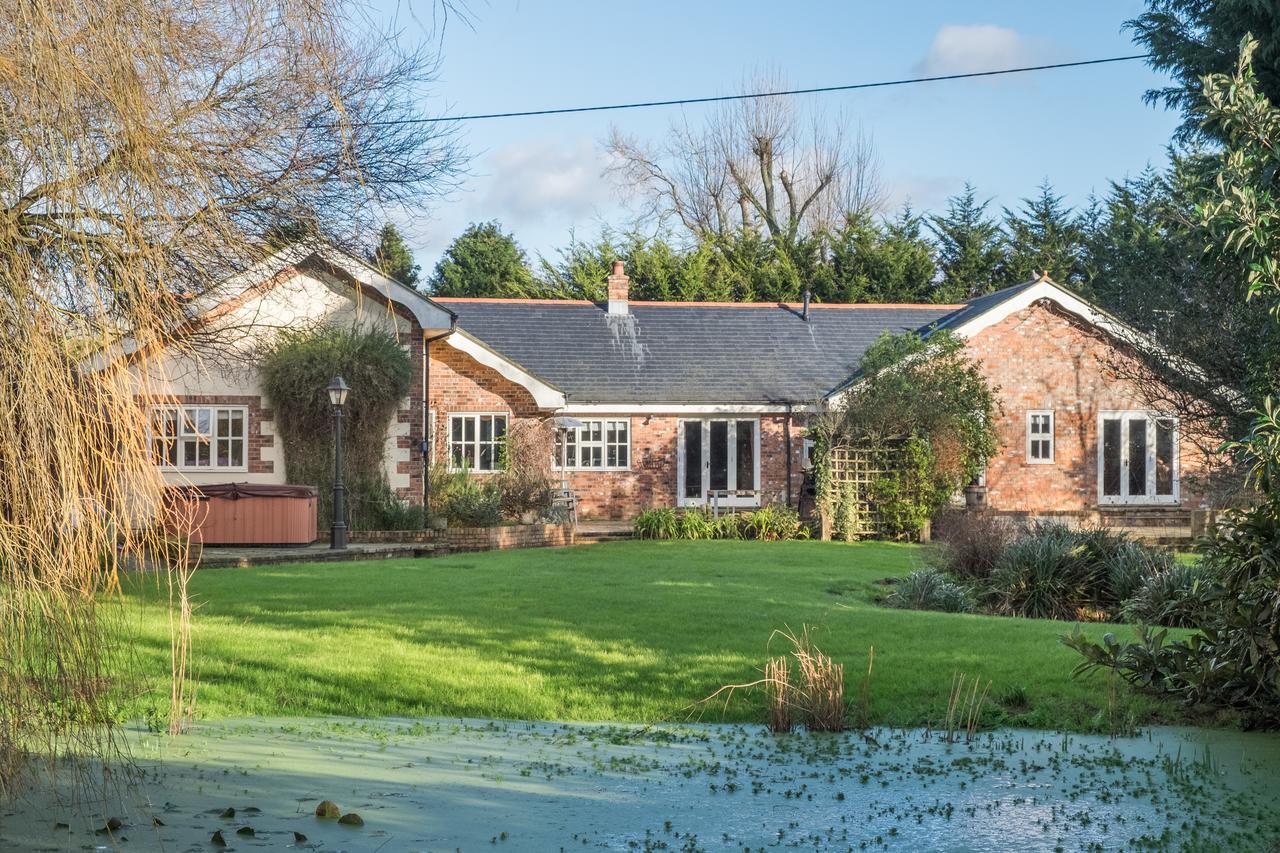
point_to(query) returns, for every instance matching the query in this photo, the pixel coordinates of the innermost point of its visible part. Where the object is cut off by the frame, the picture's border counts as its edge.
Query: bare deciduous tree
(763, 164)
(145, 148)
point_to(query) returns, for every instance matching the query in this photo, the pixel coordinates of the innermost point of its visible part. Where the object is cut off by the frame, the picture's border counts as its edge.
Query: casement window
(597, 444)
(1137, 458)
(1040, 437)
(475, 441)
(197, 438)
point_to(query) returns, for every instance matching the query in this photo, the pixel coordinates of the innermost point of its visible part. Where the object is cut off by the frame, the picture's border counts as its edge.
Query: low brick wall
(477, 538)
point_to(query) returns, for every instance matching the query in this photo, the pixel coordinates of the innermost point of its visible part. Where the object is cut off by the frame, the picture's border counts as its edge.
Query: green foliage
(656, 524)
(930, 400)
(1044, 575)
(295, 373)
(393, 258)
(878, 262)
(472, 501)
(1189, 39)
(1244, 213)
(767, 524)
(928, 589)
(1233, 658)
(1055, 572)
(484, 261)
(1044, 237)
(1171, 598)
(970, 248)
(912, 492)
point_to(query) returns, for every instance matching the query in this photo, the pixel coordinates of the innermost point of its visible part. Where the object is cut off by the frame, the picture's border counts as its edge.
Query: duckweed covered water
(476, 785)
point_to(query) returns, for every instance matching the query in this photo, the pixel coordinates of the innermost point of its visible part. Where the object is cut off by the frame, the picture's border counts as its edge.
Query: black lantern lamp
(338, 391)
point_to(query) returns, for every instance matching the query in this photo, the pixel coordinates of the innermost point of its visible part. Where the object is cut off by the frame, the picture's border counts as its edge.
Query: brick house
(682, 404)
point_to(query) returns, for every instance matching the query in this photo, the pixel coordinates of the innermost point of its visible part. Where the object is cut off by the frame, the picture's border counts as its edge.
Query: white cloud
(538, 189)
(965, 48)
(529, 181)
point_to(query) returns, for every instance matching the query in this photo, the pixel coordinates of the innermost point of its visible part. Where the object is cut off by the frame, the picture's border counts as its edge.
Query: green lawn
(632, 631)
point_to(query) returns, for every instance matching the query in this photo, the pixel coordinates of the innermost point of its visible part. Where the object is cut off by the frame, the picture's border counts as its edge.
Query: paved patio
(245, 556)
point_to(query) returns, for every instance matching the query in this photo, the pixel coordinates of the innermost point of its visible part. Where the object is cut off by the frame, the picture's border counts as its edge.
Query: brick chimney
(619, 288)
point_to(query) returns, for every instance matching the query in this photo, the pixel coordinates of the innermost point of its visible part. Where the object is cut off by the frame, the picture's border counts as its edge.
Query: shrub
(1171, 597)
(971, 542)
(1043, 575)
(656, 524)
(772, 524)
(1054, 572)
(473, 503)
(525, 480)
(694, 524)
(394, 514)
(927, 589)
(1123, 563)
(296, 370)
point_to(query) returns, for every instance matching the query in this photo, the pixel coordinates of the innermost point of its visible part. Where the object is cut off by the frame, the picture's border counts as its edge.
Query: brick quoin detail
(255, 439)
(1041, 358)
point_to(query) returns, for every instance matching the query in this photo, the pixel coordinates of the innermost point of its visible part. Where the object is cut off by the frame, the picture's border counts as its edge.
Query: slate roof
(687, 352)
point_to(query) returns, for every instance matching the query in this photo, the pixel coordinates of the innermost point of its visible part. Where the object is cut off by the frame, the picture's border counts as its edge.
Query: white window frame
(476, 442)
(180, 412)
(1050, 437)
(573, 438)
(704, 424)
(1150, 498)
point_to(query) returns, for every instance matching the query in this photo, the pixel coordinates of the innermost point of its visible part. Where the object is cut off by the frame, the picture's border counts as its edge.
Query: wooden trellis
(854, 472)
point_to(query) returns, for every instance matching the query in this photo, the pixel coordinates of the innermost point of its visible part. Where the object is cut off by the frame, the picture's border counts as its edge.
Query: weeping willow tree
(145, 148)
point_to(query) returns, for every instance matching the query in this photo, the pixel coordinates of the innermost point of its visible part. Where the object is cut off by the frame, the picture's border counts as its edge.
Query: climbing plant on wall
(925, 399)
(296, 370)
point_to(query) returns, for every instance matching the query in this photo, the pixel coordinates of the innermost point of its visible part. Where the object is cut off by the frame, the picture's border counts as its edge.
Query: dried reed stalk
(964, 706)
(779, 694)
(821, 686)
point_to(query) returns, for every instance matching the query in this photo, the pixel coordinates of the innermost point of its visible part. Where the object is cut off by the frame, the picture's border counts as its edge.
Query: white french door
(1137, 458)
(718, 462)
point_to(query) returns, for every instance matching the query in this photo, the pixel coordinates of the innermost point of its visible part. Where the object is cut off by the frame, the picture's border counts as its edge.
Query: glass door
(718, 463)
(1137, 458)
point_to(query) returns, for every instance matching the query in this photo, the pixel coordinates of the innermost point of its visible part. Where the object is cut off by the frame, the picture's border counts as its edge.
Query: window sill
(209, 470)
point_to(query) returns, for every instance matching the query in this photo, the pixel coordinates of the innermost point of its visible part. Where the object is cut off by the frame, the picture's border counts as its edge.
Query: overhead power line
(816, 90)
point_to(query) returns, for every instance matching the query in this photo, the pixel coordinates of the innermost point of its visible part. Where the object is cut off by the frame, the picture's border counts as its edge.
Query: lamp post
(338, 532)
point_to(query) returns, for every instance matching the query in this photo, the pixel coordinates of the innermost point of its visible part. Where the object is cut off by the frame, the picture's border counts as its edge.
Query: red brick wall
(1042, 359)
(256, 440)
(461, 384)
(1038, 358)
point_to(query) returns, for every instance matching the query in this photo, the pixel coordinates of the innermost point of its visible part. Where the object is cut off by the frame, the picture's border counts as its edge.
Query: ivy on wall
(295, 372)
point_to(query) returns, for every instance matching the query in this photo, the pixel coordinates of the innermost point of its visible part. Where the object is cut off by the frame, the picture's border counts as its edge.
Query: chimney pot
(619, 288)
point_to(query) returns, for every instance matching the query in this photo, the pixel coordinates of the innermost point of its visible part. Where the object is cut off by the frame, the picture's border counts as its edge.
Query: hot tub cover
(235, 491)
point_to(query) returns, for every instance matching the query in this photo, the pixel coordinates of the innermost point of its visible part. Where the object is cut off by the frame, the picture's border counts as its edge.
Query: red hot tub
(242, 514)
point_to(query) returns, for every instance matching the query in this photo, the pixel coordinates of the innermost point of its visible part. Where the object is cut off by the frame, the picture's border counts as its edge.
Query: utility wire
(881, 84)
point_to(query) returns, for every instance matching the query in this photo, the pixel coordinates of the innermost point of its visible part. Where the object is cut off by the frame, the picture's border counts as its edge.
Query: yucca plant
(927, 589)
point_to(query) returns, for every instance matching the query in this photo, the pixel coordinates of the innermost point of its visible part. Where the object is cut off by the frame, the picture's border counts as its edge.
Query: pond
(435, 784)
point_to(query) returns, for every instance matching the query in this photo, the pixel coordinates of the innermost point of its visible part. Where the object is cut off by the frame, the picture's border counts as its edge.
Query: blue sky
(541, 177)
